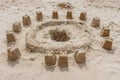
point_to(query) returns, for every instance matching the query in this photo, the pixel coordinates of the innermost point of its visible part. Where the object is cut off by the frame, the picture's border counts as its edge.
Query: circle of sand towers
(69, 35)
(59, 37)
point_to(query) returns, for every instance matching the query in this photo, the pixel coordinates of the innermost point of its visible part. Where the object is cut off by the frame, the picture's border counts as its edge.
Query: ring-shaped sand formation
(58, 35)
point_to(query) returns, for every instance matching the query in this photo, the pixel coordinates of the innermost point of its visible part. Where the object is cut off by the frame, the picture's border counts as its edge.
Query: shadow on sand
(13, 63)
(82, 65)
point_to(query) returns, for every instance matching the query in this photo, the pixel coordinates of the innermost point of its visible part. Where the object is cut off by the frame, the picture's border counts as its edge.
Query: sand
(100, 64)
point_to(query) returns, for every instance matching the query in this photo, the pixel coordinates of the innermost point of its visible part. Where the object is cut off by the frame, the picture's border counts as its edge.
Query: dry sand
(100, 64)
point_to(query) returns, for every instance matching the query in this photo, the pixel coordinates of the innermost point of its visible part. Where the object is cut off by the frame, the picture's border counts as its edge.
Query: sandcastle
(50, 59)
(83, 16)
(13, 53)
(108, 44)
(80, 57)
(60, 35)
(63, 59)
(105, 32)
(95, 22)
(39, 16)
(69, 15)
(26, 20)
(17, 27)
(10, 36)
(55, 15)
